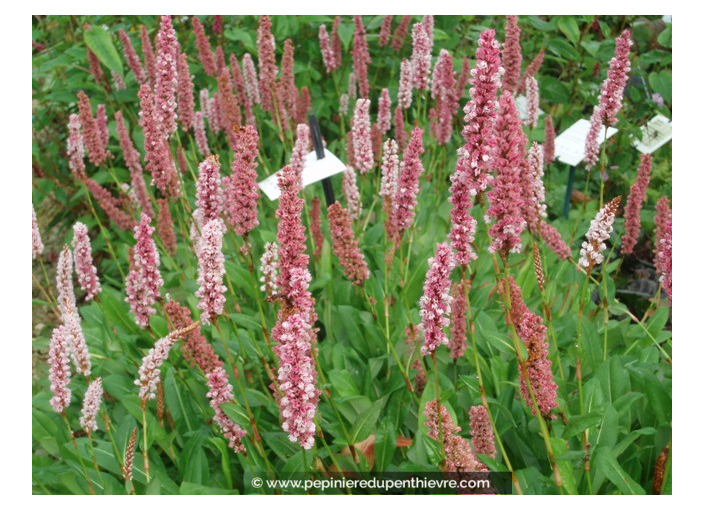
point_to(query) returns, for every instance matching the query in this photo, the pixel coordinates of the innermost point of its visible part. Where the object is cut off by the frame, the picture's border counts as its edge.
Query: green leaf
(559, 447)
(100, 42)
(577, 424)
(366, 422)
(662, 84)
(606, 462)
(569, 27)
(384, 445)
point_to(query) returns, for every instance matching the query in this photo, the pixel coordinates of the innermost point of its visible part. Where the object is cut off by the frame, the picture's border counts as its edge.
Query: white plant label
(569, 145)
(656, 133)
(314, 170)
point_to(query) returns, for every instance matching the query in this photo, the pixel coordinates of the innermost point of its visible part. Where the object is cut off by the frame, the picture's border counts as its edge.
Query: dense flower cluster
(195, 347)
(144, 279)
(506, 197)
(511, 56)
(167, 54)
(134, 165)
(360, 57)
(436, 300)
(344, 245)
(421, 57)
(221, 393)
(408, 184)
(37, 245)
(634, 203)
(266, 48)
(459, 456)
(537, 371)
(599, 231)
(150, 369)
(482, 432)
(362, 137)
(91, 405)
(351, 193)
(211, 268)
(241, 189)
(59, 369)
(83, 259)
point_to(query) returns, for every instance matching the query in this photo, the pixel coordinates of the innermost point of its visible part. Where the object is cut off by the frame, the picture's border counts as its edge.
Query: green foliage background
(628, 389)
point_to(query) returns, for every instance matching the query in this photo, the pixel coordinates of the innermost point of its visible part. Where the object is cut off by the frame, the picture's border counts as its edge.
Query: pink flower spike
(481, 431)
(195, 347)
(326, 50)
(241, 190)
(400, 33)
(611, 95)
(511, 56)
(400, 134)
(266, 46)
(74, 147)
(59, 369)
(91, 133)
(389, 169)
(405, 85)
(291, 235)
(506, 196)
(150, 370)
(86, 271)
(200, 135)
(549, 145)
(385, 30)
(663, 214)
(91, 406)
(459, 457)
(297, 378)
(269, 268)
(316, 230)
(37, 245)
(69, 313)
(132, 58)
(475, 158)
(144, 279)
(66, 299)
(167, 52)
(436, 300)
(634, 203)
(591, 148)
(205, 52)
(186, 105)
(211, 269)
(345, 246)
(554, 241)
(300, 149)
(251, 82)
(421, 57)
(148, 55)
(534, 208)
(408, 183)
(360, 57)
(132, 162)
(165, 226)
(209, 197)
(101, 122)
(384, 114)
(221, 393)
(158, 158)
(599, 232)
(362, 137)
(665, 258)
(351, 193)
(533, 96)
